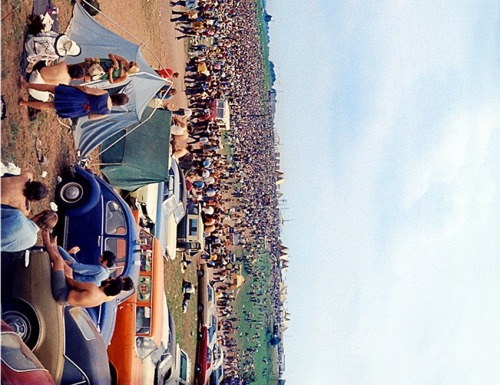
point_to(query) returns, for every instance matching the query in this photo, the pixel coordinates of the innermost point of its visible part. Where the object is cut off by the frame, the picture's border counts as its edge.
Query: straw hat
(66, 47)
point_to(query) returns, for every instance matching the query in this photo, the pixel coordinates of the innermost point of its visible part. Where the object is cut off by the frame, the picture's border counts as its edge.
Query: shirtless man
(18, 191)
(67, 291)
(54, 75)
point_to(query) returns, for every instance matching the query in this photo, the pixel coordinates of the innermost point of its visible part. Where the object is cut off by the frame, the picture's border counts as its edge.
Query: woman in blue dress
(76, 101)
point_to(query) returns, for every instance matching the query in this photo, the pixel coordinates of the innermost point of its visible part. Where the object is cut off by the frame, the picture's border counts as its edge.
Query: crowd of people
(234, 173)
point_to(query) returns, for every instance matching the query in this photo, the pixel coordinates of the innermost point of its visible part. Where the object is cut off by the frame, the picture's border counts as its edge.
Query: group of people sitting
(54, 86)
(73, 283)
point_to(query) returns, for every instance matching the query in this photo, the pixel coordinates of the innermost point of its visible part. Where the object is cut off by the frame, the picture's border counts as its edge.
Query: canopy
(142, 156)
(98, 41)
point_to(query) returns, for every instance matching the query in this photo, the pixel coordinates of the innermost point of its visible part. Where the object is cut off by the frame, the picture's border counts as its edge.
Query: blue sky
(388, 114)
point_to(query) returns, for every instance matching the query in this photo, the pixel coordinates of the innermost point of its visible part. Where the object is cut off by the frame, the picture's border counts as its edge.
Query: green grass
(264, 44)
(264, 360)
(185, 324)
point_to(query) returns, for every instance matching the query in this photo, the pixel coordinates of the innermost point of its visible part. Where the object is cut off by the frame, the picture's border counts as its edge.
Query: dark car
(64, 338)
(19, 364)
(95, 218)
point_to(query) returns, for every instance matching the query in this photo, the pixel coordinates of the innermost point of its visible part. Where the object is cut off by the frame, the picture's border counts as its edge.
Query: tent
(98, 41)
(142, 156)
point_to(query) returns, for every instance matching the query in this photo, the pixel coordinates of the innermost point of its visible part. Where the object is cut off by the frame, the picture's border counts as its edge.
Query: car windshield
(16, 355)
(116, 222)
(143, 320)
(84, 323)
(183, 366)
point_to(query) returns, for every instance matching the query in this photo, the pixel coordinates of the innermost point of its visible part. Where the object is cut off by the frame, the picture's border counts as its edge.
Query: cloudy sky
(388, 113)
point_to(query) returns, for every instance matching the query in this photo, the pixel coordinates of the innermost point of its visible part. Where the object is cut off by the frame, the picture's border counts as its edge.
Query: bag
(95, 71)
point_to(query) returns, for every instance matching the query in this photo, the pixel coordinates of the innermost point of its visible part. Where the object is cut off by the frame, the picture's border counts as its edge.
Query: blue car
(95, 218)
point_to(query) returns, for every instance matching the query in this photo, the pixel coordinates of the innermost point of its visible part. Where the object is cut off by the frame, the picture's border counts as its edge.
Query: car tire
(197, 369)
(201, 273)
(200, 308)
(72, 192)
(23, 319)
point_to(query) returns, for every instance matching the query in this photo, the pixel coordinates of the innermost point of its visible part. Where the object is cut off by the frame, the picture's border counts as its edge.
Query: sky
(389, 121)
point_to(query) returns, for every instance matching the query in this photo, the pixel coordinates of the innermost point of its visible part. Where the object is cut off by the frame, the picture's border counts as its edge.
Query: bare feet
(23, 103)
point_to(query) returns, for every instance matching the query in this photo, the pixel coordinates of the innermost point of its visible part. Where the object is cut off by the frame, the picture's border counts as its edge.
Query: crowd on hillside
(238, 190)
(236, 185)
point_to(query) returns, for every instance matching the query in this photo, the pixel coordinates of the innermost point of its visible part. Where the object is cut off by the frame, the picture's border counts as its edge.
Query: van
(95, 218)
(139, 320)
(190, 231)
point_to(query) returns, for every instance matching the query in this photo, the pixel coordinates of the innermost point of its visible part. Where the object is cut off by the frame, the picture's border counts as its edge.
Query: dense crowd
(237, 187)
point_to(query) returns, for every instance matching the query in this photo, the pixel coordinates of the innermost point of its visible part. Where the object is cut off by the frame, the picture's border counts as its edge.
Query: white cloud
(405, 266)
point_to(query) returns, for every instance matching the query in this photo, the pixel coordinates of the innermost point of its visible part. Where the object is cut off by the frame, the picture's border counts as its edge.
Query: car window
(183, 366)
(143, 320)
(84, 323)
(210, 293)
(116, 222)
(119, 247)
(145, 346)
(144, 289)
(193, 227)
(16, 355)
(209, 355)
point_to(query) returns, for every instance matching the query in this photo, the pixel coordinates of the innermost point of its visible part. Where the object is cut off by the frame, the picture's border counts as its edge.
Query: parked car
(158, 366)
(203, 357)
(95, 218)
(206, 296)
(206, 361)
(64, 339)
(139, 320)
(161, 206)
(19, 364)
(190, 231)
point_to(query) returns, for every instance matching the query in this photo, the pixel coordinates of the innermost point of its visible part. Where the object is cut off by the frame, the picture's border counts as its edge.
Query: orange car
(139, 320)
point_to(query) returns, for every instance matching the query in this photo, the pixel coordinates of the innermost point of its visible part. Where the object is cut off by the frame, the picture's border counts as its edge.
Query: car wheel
(200, 308)
(22, 318)
(197, 368)
(72, 193)
(201, 273)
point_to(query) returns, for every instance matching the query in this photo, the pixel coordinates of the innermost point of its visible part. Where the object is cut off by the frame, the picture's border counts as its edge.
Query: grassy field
(186, 324)
(265, 46)
(255, 335)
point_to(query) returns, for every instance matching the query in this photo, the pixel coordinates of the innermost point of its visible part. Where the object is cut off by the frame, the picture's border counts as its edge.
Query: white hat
(66, 47)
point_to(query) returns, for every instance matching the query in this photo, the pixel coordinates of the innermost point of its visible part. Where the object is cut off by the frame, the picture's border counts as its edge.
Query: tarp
(98, 41)
(141, 157)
